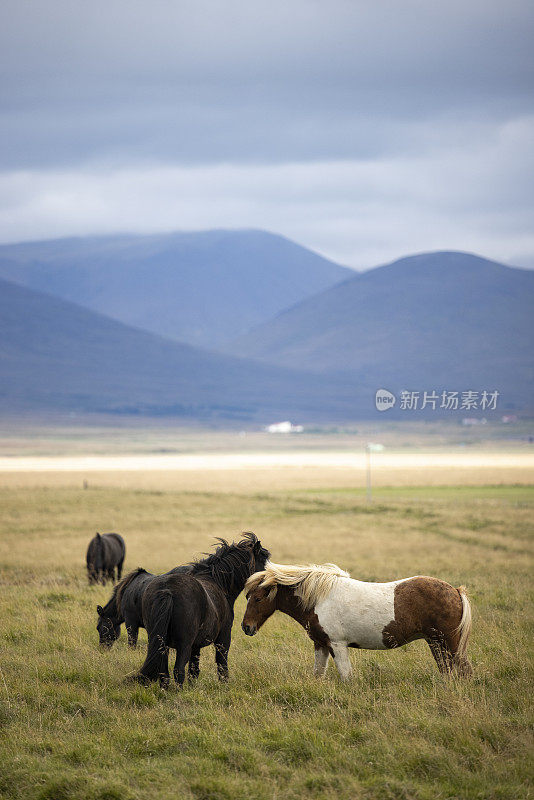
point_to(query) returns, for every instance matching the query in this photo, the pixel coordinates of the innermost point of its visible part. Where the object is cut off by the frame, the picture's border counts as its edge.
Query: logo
(468, 400)
(384, 400)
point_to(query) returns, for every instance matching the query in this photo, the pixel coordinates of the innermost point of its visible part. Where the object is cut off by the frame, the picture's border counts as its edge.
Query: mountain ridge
(427, 320)
(56, 355)
(445, 320)
(204, 288)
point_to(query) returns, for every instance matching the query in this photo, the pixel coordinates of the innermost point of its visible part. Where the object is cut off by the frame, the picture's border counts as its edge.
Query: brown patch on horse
(289, 603)
(423, 606)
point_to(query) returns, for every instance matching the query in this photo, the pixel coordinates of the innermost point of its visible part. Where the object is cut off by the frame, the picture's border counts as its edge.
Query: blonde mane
(312, 582)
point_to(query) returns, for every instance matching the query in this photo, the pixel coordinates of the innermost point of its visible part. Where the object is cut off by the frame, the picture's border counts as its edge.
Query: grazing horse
(105, 552)
(193, 610)
(125, 605)
(338, 612)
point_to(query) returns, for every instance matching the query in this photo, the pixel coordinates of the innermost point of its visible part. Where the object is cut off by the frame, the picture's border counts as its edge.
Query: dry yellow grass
(71, 730)
(271, 471)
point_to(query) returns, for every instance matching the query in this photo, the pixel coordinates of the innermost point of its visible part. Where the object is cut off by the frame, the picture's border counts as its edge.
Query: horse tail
(464, 628)
(157, 625)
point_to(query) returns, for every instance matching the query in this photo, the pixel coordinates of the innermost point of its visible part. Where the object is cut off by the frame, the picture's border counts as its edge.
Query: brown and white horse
(338, 612)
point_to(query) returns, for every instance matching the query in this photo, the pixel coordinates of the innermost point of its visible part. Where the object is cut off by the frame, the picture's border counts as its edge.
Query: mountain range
(57, 356)
(315, 343)
(202, 288)
(445, 320)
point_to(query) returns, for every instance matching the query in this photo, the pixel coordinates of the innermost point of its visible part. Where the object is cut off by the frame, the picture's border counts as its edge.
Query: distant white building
(284, 427)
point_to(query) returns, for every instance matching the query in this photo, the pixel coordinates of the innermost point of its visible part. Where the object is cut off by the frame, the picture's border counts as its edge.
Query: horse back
(423, 605)
(114, 548)
(131, 600)
(197, 612)
(115, 541)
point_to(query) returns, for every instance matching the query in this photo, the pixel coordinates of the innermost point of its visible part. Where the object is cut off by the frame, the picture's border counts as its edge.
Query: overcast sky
(364, 130)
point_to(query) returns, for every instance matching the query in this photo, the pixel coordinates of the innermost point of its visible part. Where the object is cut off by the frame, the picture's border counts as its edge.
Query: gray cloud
(209, 81)
(360, 212)
(365, 129)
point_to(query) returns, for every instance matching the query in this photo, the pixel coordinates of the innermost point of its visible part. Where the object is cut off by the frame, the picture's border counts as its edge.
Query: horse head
(108, 627)
(261, 603)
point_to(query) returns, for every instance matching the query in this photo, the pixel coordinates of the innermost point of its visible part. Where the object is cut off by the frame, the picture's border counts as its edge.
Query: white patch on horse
(356, 612)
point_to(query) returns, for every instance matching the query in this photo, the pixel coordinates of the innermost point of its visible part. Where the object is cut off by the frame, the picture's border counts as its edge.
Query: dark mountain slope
(202, 288)
(449, 320)
(55, 355)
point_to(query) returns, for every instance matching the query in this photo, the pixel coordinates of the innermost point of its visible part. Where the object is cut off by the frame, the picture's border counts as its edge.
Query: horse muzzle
(250, 630)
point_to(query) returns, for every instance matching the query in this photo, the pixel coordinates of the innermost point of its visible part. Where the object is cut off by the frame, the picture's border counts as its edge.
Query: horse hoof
(136, 677)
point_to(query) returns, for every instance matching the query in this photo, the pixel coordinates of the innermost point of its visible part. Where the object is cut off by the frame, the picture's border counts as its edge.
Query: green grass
(71, 729)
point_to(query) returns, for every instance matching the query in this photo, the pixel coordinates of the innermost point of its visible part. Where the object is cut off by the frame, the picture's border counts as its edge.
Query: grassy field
(70, 727)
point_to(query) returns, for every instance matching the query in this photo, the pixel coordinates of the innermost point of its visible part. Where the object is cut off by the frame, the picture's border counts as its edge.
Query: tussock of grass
(70, 728)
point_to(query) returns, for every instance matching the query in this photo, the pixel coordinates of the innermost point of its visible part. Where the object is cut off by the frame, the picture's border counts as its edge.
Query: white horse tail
(464, 628)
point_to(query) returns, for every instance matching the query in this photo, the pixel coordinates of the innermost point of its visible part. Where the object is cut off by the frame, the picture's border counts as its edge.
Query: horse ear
(100, 610)
(97, 535)
(259, 550)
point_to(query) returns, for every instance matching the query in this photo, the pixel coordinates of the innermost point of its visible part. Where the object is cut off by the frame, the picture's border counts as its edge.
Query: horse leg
(132, 631)
(342, 660)
(222, 646)
(462, 666)
(322, 654)
(119, 569)
(156, 664)
(183, 654)
(439, 648)
(163, 676)
(193, 668)
(111, 574)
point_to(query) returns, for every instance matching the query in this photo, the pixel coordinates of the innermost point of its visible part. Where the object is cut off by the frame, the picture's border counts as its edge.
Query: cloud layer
(364, 130)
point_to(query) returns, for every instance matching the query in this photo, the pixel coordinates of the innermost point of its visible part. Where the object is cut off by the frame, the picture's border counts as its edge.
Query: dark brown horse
(105, 552)
(190, 611)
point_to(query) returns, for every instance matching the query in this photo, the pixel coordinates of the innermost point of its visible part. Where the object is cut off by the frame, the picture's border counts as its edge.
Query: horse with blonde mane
(338, 612)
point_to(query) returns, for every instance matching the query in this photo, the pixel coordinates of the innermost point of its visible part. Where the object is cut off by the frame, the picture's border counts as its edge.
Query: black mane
(111, 609)
(231, 564)
(121, 586)
(188, 612)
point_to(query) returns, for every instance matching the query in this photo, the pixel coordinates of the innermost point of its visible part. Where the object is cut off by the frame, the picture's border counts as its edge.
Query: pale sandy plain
(270, 470)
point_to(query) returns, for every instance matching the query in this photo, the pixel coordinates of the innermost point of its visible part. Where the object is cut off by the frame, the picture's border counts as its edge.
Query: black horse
(125, 606)
(105, 552)
(189, 611)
